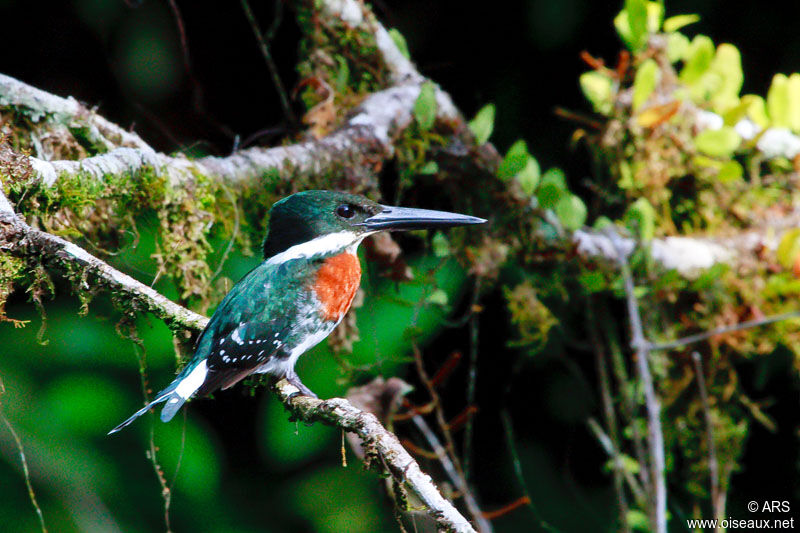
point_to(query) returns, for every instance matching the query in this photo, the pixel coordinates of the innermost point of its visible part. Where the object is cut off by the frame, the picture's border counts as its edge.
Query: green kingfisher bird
(295, 297)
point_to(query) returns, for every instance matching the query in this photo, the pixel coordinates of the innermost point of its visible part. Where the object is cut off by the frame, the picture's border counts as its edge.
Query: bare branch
(655, 435)
(341, 413)
(748, 324)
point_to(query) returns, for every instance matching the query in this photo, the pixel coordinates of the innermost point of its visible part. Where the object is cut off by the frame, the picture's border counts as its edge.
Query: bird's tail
(175, 395)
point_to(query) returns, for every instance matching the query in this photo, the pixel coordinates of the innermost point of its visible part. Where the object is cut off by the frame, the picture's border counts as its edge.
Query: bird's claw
(302, 389)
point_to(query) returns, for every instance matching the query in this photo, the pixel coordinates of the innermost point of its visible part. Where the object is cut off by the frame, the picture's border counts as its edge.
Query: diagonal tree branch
(341, 413)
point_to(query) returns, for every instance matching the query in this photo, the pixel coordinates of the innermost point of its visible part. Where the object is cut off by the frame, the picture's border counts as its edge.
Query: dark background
(126, 59)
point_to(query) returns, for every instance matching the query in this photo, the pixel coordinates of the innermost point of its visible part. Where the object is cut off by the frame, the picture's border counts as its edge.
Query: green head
(308, 215)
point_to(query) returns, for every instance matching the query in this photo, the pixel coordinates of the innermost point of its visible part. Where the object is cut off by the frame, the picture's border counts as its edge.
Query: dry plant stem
(483, 525)
(713, 464)
(655, 436)
(341, 413)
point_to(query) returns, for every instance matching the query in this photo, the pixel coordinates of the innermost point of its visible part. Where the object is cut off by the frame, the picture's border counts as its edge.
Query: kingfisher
(295, 298)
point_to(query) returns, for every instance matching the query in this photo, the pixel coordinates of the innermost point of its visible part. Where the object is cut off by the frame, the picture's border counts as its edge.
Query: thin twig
(26, 473)
(517, 463)
(628, 401)
(273, 68)
(698, 337)
(610, 417)
(234, 233)
(608, 446)
(456, 478)
(472, 378)
(713, 464)
(655, 436)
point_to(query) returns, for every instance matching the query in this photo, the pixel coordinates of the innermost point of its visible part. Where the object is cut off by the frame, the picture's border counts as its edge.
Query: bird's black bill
(407, 218)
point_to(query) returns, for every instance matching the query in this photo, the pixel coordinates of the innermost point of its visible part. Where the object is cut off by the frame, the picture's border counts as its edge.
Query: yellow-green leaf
(571, 211)
(425, 106)
(778, 101)
(794, 101)
(645, 82)
(528, 177)
(698, 59)
(400, 42)
(718, 143)
(756, 109)
(483, 124)
(655, 15)
(598, 89)
(640, 218)
(679, 21)
(728, 65)
(677, 47)
(730, 171)
(789, 248)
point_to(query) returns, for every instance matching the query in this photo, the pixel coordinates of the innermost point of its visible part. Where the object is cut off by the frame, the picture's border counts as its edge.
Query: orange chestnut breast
(336, 284)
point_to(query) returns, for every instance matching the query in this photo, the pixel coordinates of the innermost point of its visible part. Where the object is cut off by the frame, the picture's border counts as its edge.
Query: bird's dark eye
(345, 211)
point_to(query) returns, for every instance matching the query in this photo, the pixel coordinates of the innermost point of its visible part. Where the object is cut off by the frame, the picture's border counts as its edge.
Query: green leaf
(794, 102)
(571, 211)
(718, 143)
(483, 124)
(698, 59)
(528, 177)
(429, 168)
(440, 245)
(631, 24)
(640, 218)
(645, 82)
(602, 222)
(425, 106)
(514, 162)
(789, 248)
(552, 188)
(677, 47)
(342, 74)
(778, 101)
(679, 21)
(437, 297)
(730, 172)
(400, 42)
(598, 89)
(637, 520)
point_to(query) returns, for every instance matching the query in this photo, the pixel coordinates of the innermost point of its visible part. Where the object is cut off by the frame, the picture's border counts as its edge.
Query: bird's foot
(294, 379)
